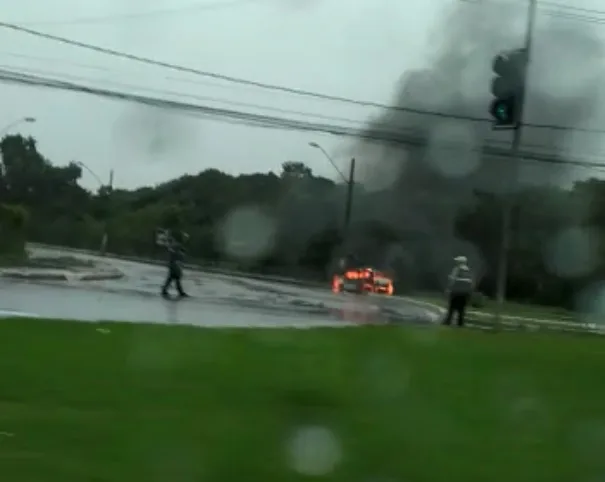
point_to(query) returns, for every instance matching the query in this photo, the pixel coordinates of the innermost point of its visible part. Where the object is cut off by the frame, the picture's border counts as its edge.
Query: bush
(13, 217)
(13, 220)
(478, 300)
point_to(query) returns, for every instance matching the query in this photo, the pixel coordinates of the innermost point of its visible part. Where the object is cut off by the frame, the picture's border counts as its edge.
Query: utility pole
(104, 190)
(508, 205)
(349, 204)
(350, 182)
(105, 238)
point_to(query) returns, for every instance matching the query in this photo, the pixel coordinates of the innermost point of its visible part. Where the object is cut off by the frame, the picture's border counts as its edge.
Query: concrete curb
(189, 266)
(100, 276)
(431, 306)
(34, 276)
(61, 276)
(513, 320)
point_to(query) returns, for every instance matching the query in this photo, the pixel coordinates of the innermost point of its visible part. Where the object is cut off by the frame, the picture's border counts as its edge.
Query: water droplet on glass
(453, 149)
(385, 378)
(590, 305)
(314, 451)
(572, 252)
(587, 438)
(248, 233)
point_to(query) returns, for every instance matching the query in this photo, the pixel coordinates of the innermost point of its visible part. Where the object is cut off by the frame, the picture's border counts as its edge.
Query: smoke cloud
(155, 132)
(421, 189)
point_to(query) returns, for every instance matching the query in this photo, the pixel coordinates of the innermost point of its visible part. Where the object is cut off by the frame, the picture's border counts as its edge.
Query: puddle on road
(271, 302)
(259, 288)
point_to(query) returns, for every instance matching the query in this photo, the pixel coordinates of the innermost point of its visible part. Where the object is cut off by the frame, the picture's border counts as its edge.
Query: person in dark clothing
(460, 288)
(176, 255)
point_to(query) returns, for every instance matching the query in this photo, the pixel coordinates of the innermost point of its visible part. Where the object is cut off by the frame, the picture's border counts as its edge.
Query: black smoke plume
(419, 190)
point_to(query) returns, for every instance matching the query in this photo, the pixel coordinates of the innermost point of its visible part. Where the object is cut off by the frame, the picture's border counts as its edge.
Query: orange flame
(336, 284)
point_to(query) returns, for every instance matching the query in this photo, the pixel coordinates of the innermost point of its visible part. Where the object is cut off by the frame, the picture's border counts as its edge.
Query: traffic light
(507, 88)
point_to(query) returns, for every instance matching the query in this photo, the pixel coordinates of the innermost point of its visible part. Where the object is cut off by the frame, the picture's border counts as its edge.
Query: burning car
(362, 280)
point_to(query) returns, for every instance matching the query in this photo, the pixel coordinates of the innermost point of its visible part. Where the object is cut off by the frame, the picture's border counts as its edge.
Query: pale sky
(349, 48)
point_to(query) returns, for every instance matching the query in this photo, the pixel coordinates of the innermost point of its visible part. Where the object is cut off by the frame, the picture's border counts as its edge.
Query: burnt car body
(362, 280)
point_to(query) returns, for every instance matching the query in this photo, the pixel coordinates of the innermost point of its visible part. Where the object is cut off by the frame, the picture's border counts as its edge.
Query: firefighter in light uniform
(460, 288)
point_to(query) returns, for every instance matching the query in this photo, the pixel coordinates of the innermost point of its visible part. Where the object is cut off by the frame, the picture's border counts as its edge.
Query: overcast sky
(348, 48)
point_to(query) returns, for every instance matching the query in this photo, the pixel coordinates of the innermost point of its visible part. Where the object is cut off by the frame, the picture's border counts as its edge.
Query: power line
(231, 102)
(572, 8)
(277, 87)
(40, 81)
(282, 123)
(228, 78)
(98, 68)
(54, 61)
(189, 8)
(163, 92)
(562, 11)
(266, 86)
(569, 15)
(219, 5)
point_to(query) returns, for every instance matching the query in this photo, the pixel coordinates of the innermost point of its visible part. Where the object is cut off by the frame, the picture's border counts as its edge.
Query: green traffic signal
(502, 112)
(507, 87)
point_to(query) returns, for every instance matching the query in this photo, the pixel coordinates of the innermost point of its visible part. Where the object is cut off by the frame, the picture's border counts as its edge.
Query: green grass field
(152, 403)
(11, 260)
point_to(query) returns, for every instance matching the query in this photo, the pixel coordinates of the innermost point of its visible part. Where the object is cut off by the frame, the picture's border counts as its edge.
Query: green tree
(413, 227)
(13, 221)
(295, 170)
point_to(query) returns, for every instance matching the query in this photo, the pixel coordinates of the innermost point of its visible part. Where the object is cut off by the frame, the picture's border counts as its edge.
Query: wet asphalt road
(216, 301)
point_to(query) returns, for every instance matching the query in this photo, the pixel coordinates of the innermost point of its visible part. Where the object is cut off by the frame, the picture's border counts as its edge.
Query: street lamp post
(349, 202)
(8, 127)
(508, 206)
(350, 181)
(105, 238)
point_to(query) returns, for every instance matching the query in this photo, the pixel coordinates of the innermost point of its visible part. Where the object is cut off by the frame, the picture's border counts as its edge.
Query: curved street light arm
(8, 127)
(330, 160)
(91, 172)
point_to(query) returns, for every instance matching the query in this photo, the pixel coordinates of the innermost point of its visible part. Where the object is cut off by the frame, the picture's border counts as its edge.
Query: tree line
(291, 223)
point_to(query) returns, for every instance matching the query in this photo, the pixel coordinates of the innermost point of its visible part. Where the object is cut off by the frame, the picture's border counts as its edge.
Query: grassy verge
(173, 403)
(510, 308)
(12, 260)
